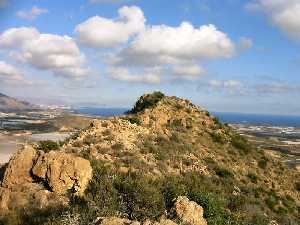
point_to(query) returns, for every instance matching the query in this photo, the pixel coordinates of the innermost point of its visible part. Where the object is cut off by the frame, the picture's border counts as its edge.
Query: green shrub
(217, 121)
(263, 162)
(297, 186)
(223, 172)
(117, 146)
(90, 139)
(236, 203)
(147, 101)
(135, 120)
(48, 145)
(253, 177)
(142, 197)
(214, 209)
(217, 137)
(272, 201)
(240, 143)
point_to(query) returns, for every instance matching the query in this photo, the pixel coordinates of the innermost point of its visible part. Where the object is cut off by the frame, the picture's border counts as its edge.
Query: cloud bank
(284, 14)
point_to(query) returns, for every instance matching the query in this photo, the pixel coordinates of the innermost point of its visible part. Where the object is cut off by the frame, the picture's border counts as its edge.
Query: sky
(226, 56)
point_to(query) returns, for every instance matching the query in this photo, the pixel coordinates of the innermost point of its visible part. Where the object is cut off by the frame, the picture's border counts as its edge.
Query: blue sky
(236, 56)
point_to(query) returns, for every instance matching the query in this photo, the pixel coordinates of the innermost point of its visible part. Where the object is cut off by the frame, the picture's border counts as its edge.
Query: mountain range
(8, 103)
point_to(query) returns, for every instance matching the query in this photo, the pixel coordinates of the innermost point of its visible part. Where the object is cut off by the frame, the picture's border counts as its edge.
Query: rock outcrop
(19, 167)
(63, 172)
(58, 171)
(189, 212)
(186, 211)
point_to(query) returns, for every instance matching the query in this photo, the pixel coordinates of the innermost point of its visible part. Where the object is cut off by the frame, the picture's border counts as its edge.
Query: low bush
(263, 162)
(240, 143)
(297, 186)
(223, 172)
(135, 120)
(48, 145)
(147, 101)
(253, 177)
(217, 137)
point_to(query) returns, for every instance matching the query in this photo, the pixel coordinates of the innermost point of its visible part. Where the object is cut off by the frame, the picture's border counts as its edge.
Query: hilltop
(11, 104)
(138, 167)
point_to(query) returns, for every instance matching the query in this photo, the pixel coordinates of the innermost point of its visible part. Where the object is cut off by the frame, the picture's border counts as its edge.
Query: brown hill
(11, 104)
(143, 162)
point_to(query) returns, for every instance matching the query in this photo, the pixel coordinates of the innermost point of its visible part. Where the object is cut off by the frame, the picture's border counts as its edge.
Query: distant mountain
(11, 104)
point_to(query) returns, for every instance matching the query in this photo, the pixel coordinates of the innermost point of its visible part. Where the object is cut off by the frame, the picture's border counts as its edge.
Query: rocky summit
(167, 161)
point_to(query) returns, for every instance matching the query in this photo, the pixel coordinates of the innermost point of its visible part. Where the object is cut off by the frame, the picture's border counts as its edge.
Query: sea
(225, 117)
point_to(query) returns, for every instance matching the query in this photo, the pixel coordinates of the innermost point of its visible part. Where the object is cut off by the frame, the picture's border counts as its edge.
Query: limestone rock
(189, 212)
(19, 167)
(165, 222)
(63, 172)
(28, 195)
(118, 221)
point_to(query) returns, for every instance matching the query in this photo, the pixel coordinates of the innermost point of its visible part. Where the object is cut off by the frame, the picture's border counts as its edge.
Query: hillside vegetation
(167, 147)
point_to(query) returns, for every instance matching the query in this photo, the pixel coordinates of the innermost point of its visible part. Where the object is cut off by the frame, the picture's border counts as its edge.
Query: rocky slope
(143, 164)
(11, 104)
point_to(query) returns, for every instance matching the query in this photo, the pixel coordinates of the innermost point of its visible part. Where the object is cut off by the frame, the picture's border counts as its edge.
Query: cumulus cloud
(178, 50)
(9, 74)
(150, 76)
(16, 37)
(59, 54)
(31, 14)
(164, 44)
(100, 32)
(284, 14)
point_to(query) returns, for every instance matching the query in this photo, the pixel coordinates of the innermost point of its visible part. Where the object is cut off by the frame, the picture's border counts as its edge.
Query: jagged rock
(63, 172)
(28, 195)
(19, 167)
(189, 212)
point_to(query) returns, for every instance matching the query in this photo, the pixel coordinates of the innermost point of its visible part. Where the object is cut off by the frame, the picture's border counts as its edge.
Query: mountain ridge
(8, 103)
(164, 148)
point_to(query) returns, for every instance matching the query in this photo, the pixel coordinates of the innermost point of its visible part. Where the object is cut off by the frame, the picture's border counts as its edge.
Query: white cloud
(163, 44)
(16, 37)
(124, 74)
(100, 32)
(109, 1)
(31, 14)
(284, 14)
(178, 50)
(59, 54)
(9, 74)
(188, 70)
(225, 84)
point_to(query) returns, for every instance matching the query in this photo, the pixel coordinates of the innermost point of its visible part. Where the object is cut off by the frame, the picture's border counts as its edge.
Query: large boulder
(18, 170)
(62, 172)
(189, 212)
